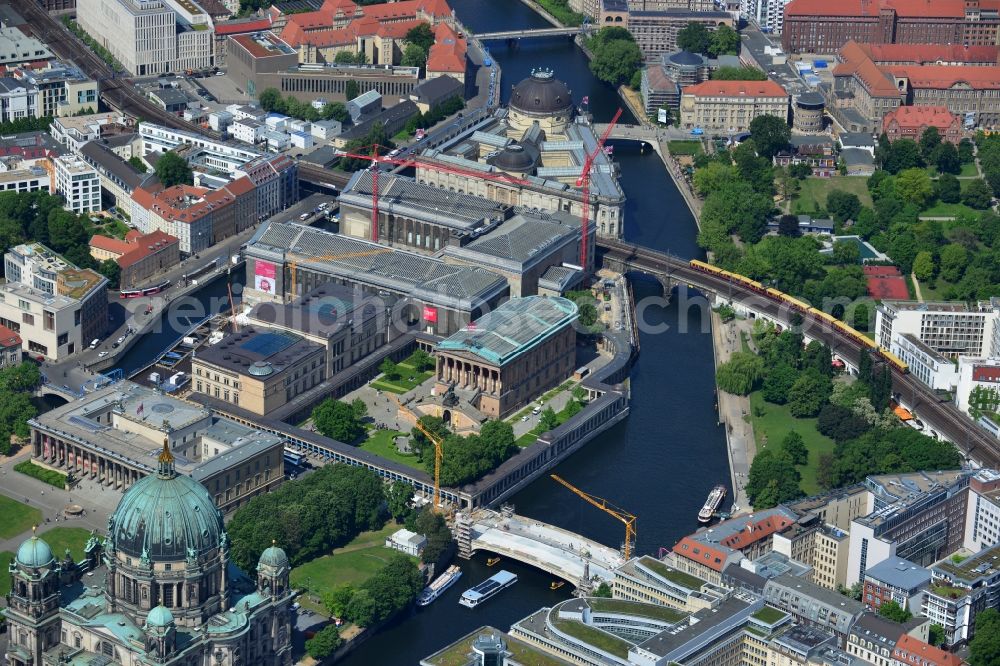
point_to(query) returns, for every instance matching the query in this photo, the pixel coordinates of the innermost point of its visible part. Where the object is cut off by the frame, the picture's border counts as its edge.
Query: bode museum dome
(167, 592)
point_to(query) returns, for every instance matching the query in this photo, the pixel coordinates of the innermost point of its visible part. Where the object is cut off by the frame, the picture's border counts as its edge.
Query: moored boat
(712, 503)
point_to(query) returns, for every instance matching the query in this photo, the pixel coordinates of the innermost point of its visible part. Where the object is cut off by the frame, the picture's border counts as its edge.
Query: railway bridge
(671, 271)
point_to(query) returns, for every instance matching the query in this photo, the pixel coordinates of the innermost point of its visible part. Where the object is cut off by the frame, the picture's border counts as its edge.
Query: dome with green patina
(166, 516)
(159, 617)
(34, 552)
(273, 557)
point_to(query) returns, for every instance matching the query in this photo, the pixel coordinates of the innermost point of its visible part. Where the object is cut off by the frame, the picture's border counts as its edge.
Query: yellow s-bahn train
(805, 309)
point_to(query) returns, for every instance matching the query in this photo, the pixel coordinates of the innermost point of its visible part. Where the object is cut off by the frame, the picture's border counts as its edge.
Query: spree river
(661, 462)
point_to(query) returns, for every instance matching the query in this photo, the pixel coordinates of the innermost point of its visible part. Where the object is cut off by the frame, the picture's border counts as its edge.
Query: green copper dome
(273, 557)
(164, 516)
(34, 553)
(159, 617)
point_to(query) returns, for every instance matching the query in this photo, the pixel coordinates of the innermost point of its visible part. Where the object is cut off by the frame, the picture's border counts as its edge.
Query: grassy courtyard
(61, 538)
(380, 442)
(409, 378)
(813, 192)
(941, 209)
(770, 425)
(17, 517)
(685, 147)
(352, 564)
(6, 557)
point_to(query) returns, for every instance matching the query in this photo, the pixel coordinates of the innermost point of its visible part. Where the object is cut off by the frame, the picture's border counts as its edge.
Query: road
(943, 417)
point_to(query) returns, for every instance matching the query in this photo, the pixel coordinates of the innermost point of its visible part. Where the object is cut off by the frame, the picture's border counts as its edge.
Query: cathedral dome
(164, 515)
(159, 617)
(273, 557)
(541, 94)
(34, 552)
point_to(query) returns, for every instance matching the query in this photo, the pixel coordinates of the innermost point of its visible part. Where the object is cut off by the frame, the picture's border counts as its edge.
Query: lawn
(61, 538)
(637, 609)
(599, 638)
(813, 192)
(352, 564)
(5, 559)
(112, 229)
(409, 378)
(940, 209)
(17, 518)
(685, 147)
(775, 422)
(380, 443)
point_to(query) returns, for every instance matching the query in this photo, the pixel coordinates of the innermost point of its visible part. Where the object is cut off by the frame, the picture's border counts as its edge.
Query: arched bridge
(943, 417)
(529, 34)
(554, 550)
(622, 131)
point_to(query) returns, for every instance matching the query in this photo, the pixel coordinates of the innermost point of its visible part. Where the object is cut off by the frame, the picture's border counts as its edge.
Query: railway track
(945, 416)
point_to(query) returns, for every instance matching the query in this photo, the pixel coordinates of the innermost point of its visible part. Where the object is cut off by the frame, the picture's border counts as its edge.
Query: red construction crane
(584, 182)
(376, 159)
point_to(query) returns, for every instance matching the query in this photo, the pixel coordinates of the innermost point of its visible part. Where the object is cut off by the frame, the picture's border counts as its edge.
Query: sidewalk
(740, 444)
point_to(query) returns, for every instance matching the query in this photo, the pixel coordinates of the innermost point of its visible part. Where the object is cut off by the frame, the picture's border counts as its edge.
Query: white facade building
(75, 131)
(78, 183)
(976, 372)
(32, 179)
(217, 155)
(407, 542)
(982, 525)
(950, 329)
(150, 36)
(18, 100)
(925, 364)
(247, 130)
(769, 15)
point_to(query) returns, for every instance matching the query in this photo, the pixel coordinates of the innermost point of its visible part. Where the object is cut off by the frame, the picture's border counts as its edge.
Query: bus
(293, 458)
(148, 291)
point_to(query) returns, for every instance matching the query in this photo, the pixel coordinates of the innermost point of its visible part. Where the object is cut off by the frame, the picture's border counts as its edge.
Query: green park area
(771, 423)
(685, 147)
(6, 557)
(599, 638)
(406, 375)
(49, 476)
(813, 192)
(380, 442)
(17, 517)
(662, 613)
(351, 564)
(61, 538)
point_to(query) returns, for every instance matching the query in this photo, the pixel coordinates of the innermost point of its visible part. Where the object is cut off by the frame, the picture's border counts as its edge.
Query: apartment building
(10, 347)
(951, 329)
(32, 179)
(74, 131)
(18, 48)
(926, 364)
(140, 256)
(150, 36)
(63, 89)
(982, 527)
(721, 107)
(18, 100)
(78, 183)
(813, 606)
(895, 580)
(205, 152)
(959, 590)
(656, 31)
(55, 307)
(118, 178)
(769, 15)
(874, 638)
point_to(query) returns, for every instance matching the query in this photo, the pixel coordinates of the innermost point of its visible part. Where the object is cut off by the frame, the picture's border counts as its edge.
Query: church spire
(166, 461)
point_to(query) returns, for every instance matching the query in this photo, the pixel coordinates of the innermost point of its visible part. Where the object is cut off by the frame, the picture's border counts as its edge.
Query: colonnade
(83, 462)
(466, 375)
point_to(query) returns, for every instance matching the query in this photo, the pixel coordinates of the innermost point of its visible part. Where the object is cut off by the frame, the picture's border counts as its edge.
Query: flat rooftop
(896, 492)
(985, 564)
(513, 328)
(245, 443)
(322, 312)
(258, 352)
(520, 241)
(460, 652)
(376, 266)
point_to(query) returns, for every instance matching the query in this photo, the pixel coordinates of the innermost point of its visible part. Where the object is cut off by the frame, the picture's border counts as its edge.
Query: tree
(336, 111)
(788, 225)
(935, 633)
(414, 55)
(770, 134)
(903, 154)
(778, 383)
(693, 37)
(740, 374)
(421, 35)
(433, 526)
(978, 194)
(361, 608)
(616, 61)
(949, 190)
(809, 393)
(914, 185)
(772, 479)
(945, 158)
(359, 408)
(846, 253)
(724, 40)
(954, 259)
(861, 316)
(966, 152)
(984, 648)
(893, 610)
(271, 100)
(603, 590)
(351, 89)
(843, 205)
(389, 368)
(795, 448)
(336, 600)
(714, 176)
(421, 360)
(136, 163)
(923, 266)
(110, 269)
(818, 356)
(548, 419)
(172, 169)
(324, 643)
(727, 73)
(929, 141)
(398, 499)
(579, 394)
(337, 420)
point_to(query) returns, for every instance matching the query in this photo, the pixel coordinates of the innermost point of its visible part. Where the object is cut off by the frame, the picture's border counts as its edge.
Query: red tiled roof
(857, 62)
(827, 8)
(8, 338)
(985, 373)
(238, 27)
(916, 117)
(952, 9)
(147, 245)
(887, 287)
(914, 651)
(448, 52)
(920, 54)
(696, 551)
(110, 244)
(736, 89)
(132, 235)
(325, 27)
(753, 531)
(940, 77)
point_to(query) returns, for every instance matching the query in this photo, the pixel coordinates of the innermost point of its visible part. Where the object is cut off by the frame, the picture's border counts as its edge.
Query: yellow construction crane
(607, 507)
(293, 265)
(438, 450)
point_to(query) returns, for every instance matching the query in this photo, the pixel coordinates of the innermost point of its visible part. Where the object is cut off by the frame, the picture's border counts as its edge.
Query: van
(304, 216)
(536, 411)
(94, 343)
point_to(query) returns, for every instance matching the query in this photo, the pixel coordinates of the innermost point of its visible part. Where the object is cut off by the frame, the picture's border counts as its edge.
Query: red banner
(430, 314)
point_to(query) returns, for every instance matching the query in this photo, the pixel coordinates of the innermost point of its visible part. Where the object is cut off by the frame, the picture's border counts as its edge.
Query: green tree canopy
(694, 37)
(809, 393)
(978, 194)
(616, 61)
(337, 420)
(324, 643)
(795, 448)
(772, 479)
(842, 205)
(902, 154)
(770, 134)
(984, 648)
(414, 55)
(172, 169)
(930, 139)
(398, 499)
(740, 374)
(778, 383)
(893, 610)
(948, 188)
(724, 41)
(954, 260)
(924, 267)
(421, 35)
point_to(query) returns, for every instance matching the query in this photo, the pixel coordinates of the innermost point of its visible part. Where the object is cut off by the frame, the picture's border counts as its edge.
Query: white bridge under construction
(576, 559)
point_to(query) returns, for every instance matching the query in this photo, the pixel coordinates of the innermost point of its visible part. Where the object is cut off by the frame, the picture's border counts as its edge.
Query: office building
(207, 153)
(17, 48)
(55, 307)
(910, 122)
(725, 107)
(982, 527)
(448, 54)
(506, 358)
(197, 216)
(18, 100)
(32, 179)
(895, 580)
(140, 256)
(63, 89)
(958, 591)
(819, 545)
(78, 183)
(118, 178)
(874, 638)
(769, 15)
(950, 329)
(74, 131)
(648, 580)
(925, 363)
(813, 606)
(656, 31)
(150, 36)
(439, 298)
(435, 91)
